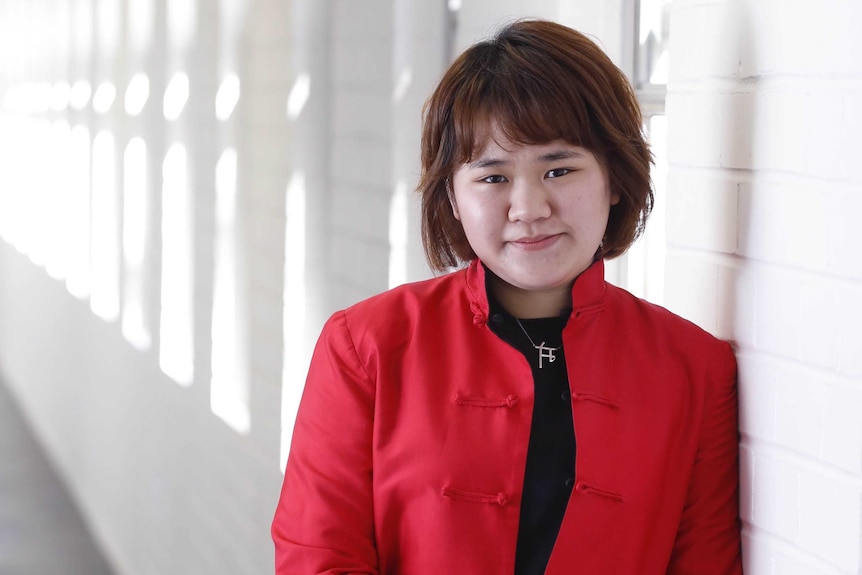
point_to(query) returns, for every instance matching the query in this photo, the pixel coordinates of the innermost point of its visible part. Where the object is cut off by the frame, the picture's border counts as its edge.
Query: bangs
(528, 104)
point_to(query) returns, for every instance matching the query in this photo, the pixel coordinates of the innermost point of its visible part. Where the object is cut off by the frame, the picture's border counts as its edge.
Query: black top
(550, 471)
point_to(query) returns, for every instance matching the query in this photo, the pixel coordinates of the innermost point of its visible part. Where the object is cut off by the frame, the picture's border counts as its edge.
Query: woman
(519, 415)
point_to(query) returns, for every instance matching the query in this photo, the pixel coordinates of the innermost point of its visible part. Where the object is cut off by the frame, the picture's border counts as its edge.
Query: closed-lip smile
(535, 242)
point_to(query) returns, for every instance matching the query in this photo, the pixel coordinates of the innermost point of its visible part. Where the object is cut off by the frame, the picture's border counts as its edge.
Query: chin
(529, 283)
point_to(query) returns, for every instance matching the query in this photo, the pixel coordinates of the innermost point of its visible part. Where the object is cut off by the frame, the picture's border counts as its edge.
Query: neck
(530, 304)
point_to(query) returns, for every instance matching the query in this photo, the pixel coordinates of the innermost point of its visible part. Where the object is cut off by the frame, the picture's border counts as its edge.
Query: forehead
(495, 144)
(486, 135)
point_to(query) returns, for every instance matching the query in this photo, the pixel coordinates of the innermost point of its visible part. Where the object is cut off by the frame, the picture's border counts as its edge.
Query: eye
(494, 179)
(557, 172)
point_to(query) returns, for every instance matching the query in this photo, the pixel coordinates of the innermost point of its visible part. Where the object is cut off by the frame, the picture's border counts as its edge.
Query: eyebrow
(560, 155)
(544, 158)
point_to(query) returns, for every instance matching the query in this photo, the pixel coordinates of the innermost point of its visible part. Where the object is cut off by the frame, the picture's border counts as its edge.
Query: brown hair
(539, 81)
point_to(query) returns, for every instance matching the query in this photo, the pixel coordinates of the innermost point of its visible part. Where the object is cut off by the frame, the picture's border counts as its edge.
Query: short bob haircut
(538, 81)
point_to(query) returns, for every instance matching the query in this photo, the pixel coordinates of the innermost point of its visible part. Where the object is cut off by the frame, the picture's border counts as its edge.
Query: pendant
(546, 353)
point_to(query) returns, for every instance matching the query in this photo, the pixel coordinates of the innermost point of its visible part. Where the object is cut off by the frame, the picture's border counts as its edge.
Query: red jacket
(410, 443)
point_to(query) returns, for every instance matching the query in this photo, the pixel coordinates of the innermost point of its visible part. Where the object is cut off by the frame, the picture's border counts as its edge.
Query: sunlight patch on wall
(35, 176)
(229, 387)
(13, 131)
(7, 179)
(105, 293)
(8, 104)
(57, 222)
(232, 15)
(182, 23)
(398, 208)
(14, 191)
(104, 97)
(108, 25)
(61, 93)
(645, 260)
(80, 95)
(137, 94)
(227, 97)
(34, 234)
(298, 97)
(295, 360)
(402, 85)
(78, 272)
(31, 99)
(176, 349)
(141, 19)
(83, 26)
(176, 96)
(15, 101)
(136, 220)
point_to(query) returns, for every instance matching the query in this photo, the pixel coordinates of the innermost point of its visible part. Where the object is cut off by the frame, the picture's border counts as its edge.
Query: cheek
(482, 214)
(478, 224)
(466, 206)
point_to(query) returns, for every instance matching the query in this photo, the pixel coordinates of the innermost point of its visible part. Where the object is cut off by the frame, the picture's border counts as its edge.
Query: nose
(528, 202)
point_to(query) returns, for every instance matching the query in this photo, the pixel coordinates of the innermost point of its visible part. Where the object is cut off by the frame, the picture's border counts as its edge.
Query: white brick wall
(763, 111)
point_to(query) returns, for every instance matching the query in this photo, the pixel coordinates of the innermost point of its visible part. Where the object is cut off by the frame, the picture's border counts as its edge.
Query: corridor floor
(41, 530)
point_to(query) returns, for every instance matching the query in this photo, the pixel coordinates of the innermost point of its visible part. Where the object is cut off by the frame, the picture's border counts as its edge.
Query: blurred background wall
(188, 189)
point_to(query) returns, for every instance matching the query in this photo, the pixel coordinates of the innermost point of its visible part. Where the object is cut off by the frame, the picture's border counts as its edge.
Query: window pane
(652, 48)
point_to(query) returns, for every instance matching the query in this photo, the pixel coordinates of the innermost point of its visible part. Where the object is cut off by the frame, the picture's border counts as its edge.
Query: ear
(615, 196)
(450, 193)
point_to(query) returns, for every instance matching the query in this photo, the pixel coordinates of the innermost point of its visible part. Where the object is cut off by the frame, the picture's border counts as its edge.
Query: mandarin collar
(588, 290)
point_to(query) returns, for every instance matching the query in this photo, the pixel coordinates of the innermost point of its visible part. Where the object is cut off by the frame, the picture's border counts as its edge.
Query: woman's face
(534, 214)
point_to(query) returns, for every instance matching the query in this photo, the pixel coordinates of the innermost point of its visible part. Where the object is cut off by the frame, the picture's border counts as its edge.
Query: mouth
(533, 243)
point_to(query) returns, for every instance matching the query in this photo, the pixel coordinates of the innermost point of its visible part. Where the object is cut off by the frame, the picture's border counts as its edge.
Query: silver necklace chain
(545, 352)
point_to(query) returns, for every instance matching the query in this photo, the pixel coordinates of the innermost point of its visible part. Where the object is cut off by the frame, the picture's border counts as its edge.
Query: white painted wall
(765, 111)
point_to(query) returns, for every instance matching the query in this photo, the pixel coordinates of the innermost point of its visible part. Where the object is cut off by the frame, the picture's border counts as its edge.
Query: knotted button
(479, 316)
(497, 320)
(565, 396)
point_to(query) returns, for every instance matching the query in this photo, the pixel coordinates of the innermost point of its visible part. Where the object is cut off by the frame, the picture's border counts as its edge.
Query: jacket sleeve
(324, 519)
(708, 540)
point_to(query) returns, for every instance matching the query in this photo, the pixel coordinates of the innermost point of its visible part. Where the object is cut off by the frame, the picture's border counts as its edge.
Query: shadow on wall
(737, 291)
(712, 111)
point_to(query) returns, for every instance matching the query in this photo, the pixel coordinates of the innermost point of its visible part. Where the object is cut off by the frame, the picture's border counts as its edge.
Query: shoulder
(410, 298)
(666, 333)
(395, 314)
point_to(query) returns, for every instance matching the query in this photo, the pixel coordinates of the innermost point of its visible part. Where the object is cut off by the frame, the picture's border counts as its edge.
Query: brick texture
(762, 186)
